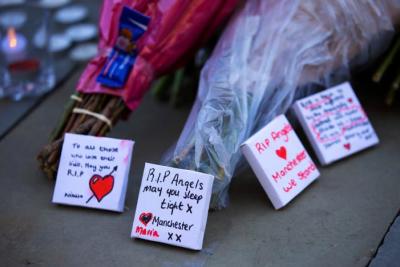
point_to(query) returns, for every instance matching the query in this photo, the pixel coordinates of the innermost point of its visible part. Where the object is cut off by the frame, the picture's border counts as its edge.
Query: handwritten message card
(280, 162)
(173, 206)
(93, 172)
(335, 123)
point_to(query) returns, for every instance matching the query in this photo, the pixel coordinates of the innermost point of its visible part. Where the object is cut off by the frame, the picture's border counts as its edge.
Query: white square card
(335, 123)
(280, 162)
(93, 172)
(172, 207)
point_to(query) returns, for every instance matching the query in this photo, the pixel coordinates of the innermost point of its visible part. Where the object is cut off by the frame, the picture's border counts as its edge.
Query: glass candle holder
(26, 67)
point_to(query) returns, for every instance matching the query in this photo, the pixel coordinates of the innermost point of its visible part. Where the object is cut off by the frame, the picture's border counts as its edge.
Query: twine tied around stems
(76, 98)
(93, 114)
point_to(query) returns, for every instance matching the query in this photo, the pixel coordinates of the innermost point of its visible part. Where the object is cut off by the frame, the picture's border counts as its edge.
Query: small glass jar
(26, 67)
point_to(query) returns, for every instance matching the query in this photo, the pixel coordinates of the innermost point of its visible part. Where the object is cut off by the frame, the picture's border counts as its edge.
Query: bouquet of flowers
(140, 40)
(269, 54)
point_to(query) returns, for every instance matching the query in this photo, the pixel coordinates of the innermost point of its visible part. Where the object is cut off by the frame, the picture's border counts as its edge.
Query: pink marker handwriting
(340, 129)
(292, 184)
(283, 133)
(303, 175)
(278, 175)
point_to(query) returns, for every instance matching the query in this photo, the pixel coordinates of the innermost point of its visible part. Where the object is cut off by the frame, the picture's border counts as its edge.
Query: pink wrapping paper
(176, 29)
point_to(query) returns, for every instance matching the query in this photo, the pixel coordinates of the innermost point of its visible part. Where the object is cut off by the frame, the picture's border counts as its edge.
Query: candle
(13, 46)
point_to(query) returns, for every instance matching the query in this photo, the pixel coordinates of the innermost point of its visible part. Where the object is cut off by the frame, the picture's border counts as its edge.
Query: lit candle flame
(12, 37)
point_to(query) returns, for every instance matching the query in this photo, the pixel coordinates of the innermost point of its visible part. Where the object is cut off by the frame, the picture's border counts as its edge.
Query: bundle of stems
(179, 88)
(105, 106)
(112, 108)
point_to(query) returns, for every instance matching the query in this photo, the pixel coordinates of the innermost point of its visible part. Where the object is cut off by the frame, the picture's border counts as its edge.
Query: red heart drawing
(350, 100)
(101, 186)
(281, 152)
(347, 146)
(145, 218)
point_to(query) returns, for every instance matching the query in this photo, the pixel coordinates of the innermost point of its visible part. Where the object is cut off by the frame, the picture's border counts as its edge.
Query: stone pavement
(338, 221)
(388, 254)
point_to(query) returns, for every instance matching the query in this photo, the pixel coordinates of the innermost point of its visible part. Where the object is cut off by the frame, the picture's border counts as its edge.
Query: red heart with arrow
(101, 186)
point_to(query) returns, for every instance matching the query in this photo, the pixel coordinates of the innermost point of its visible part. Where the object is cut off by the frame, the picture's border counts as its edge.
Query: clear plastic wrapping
(269, 53)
